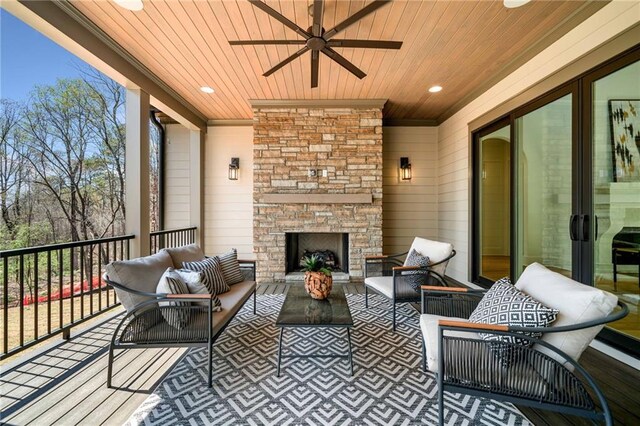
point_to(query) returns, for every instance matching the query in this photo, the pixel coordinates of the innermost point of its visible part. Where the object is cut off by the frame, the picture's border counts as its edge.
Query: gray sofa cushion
(231, 267)
(140, 274)
(189, 253)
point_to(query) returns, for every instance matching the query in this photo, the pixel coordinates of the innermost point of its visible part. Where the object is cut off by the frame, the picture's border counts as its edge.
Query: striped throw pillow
(213, 277)
(195, 283)
(231, 267)
(174, 312)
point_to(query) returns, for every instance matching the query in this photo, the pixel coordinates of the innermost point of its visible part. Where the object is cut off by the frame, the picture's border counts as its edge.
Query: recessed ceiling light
(511, 4)
(207, 89)
(435, 89)
(134, 5)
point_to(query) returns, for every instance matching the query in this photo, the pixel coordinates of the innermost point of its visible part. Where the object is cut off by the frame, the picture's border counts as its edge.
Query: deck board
(66, 383)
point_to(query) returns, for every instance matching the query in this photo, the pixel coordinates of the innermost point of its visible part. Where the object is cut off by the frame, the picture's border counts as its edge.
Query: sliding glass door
(544, 202)
(613, 96)
(574, 182)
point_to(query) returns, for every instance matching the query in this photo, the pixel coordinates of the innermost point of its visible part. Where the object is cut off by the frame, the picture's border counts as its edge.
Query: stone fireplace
(331, 245)
(317, 169)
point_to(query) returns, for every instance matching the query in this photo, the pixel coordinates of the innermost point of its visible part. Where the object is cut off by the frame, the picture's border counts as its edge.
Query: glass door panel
(544, 191)
(495, 204)
(616, 190)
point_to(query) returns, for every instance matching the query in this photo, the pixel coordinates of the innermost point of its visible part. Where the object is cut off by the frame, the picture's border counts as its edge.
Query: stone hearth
(343, 145)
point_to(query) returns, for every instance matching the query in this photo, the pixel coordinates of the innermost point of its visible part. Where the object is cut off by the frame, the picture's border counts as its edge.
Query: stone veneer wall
(347, 142)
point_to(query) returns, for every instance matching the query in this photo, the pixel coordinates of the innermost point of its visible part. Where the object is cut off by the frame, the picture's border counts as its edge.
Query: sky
(28, 58)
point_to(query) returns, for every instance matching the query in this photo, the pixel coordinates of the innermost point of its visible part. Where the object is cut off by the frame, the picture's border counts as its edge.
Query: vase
(318, 285)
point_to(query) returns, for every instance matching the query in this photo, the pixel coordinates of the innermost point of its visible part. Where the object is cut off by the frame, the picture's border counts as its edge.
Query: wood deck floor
(65, 383)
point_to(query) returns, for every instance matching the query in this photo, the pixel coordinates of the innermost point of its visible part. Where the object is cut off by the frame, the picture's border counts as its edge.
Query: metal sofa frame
(145, 327)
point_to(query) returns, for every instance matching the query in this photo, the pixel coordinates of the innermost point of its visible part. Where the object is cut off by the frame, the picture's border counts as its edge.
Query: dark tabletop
(300, 310)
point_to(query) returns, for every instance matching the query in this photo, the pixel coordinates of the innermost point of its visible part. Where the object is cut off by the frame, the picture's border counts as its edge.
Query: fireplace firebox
(333, 246)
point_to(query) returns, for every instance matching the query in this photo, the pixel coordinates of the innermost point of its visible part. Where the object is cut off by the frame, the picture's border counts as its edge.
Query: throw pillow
(177, 315)
(416, 278)
(231, 267)
(195, 283)
(213, 278)
(503, 304)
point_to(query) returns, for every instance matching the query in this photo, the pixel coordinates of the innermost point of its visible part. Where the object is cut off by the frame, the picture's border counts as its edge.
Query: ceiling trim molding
(318, 103)
(569, 23)
(69, 22)
(226, 123)
(409, 122)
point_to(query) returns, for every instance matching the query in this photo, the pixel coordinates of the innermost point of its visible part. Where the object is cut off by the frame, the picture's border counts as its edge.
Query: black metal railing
(172, 238)
(47, 290)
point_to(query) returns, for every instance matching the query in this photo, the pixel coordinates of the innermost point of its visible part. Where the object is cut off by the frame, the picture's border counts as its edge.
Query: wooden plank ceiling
(460, 45)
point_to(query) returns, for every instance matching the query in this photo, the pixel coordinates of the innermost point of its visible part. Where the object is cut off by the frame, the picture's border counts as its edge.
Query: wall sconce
(234, 166)
(405, 168)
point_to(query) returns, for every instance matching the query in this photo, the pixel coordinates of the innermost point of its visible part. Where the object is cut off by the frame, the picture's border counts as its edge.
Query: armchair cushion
(195, 283)
(383, 285)
(575, 303)
(436, 251)
(231, 267)
(429, 328)
(416, 278)
(188, 253)
(213, 277)
(171, 283)
(140, 274)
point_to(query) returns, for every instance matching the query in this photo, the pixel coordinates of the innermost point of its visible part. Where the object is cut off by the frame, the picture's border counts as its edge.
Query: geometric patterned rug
(388, 386)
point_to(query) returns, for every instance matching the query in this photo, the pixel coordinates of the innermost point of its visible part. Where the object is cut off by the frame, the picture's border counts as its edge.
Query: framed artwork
(625, 139)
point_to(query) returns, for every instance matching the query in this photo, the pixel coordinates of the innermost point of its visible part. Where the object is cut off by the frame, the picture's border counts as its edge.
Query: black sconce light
(405, 168)
(234, 166)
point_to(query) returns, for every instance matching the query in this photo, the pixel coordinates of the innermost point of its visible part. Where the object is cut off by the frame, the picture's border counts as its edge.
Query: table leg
(350, 353)
(279, 350)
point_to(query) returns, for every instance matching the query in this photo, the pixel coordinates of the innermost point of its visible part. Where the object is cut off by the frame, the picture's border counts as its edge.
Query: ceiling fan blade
(315, 68)
(355, 17)
(371, 44)
(285, 62)
(276, 15)
(318, 10)
(252, 42)
(343, 62)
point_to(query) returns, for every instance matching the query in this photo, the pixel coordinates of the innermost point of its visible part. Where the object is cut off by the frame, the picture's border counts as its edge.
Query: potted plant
(317, 278)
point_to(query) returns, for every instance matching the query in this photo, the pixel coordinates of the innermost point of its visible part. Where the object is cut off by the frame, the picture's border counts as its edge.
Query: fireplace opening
(332, 247)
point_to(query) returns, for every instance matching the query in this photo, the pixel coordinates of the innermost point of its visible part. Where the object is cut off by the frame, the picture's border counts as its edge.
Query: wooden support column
(196, 183)
(137, 201)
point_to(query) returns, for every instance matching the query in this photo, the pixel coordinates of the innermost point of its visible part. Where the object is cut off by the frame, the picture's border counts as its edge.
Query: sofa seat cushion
(575, 303)
(436, 251)
(140, 274)
(196, 329)
(188, 253)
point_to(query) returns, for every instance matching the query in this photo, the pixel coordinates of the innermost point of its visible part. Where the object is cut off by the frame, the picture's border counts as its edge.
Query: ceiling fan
(317, 40)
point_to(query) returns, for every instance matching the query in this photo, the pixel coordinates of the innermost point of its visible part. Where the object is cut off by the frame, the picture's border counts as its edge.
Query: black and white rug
(388, 386)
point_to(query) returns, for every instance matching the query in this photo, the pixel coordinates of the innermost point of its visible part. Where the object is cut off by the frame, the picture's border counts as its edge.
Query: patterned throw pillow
(213, 278)
(195, 283)
(503, 304)
(171, 283)
(231, 267)
(416, 278)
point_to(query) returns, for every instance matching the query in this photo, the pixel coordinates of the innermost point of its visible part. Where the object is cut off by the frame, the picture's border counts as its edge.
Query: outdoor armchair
(391, 276)
(544, 375)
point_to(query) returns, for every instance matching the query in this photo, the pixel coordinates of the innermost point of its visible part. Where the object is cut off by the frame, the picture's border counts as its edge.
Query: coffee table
(300, 310)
